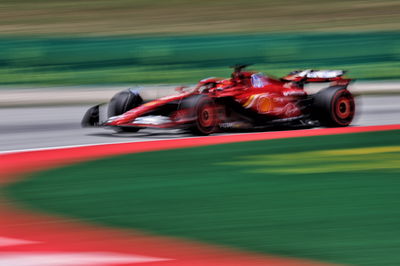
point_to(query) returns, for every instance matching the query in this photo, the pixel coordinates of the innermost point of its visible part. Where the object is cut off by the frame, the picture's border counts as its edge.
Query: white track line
(76, 146)
(71, 259)
(104, 143)
(6, 241)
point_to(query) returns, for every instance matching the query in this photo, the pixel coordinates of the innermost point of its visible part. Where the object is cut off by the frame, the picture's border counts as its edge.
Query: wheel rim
(207, 116)
(344, 109)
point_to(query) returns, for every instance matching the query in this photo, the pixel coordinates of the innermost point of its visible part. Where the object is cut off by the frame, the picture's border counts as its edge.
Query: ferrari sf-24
(247, 100)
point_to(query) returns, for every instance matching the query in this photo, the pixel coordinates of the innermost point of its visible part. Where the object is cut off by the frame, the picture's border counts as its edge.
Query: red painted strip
(58, 235)
(24, 162)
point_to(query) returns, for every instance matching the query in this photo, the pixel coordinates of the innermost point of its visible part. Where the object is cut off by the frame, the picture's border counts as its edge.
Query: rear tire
(123, 102)
(334, 107)
(203, 109)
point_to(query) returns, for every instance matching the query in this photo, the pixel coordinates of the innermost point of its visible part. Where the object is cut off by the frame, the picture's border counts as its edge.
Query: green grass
(175, 74)
(187, 59)
(244, 195)
(126, 17)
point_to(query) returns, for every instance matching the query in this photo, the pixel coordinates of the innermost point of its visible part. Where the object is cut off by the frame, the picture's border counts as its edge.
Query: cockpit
(259, 80)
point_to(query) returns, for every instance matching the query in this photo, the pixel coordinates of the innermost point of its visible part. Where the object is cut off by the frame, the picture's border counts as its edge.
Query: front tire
(123, 102)
(334, 107)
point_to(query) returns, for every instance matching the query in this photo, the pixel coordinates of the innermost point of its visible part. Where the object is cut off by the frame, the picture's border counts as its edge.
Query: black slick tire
(334, 107)
(123, 102)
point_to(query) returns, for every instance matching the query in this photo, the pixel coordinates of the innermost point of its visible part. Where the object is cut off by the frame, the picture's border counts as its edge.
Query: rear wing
(310, 75)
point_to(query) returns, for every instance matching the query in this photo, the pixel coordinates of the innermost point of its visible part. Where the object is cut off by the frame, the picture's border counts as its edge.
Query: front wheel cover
(206, 116)
(201, 110)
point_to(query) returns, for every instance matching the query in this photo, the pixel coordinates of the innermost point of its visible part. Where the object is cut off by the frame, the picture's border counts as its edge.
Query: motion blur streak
(187, 59)
(37, 160)
(74, 49)
(118, 17)
(96, 42)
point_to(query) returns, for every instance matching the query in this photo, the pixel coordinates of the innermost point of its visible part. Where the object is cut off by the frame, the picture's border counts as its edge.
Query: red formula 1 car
(246, 101)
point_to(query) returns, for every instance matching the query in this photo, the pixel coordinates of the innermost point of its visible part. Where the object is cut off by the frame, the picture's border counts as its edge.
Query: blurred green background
(181, 41)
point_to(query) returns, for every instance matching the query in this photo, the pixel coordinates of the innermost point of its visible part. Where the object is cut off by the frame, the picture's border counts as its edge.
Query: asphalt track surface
(59, 126)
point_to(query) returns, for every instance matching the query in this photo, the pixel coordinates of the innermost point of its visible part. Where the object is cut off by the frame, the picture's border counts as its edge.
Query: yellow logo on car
(260, 102)
(151, 103)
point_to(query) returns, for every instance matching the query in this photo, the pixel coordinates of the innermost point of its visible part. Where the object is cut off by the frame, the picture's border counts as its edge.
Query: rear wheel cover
(334, 107)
